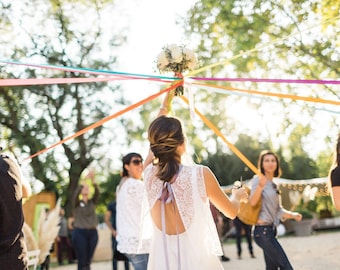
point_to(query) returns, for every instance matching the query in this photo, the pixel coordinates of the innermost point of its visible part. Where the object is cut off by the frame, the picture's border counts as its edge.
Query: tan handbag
(249, 214)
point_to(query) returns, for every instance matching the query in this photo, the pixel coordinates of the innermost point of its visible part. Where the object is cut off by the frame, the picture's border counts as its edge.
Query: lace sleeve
(152, 186)
(200, 183)
(145, 223)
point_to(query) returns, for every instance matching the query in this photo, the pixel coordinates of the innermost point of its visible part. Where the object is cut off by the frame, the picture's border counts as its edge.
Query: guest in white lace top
(184, 232)
(129, 207)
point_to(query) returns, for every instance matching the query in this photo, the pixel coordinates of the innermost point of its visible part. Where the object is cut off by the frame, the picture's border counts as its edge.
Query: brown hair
(165, 134)
(336, 161)
(264, 153)
(126, 160)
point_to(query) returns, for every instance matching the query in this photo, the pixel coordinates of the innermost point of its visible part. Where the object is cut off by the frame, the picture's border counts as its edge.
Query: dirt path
(319, 251)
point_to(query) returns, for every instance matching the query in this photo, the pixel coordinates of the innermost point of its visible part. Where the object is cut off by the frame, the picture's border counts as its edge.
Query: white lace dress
(199, 245)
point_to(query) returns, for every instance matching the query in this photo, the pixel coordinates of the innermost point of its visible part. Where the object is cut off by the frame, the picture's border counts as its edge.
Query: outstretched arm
(229, 207)
(291, 215)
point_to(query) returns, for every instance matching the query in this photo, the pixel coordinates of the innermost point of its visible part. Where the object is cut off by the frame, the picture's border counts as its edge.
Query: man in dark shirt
(110, 220)
(13, 253)
(63, 241)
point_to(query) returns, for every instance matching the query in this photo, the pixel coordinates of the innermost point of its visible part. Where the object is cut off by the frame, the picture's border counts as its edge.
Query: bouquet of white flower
(176, 59)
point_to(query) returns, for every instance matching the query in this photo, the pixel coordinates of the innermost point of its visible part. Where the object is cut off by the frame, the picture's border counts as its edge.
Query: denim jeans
(274, 255)
(84, 243)
(139, 261)
(114, 261)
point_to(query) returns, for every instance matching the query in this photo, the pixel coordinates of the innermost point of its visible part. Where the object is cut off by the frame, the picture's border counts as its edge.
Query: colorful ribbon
(219, 134)
(257, 80)
(104, 120)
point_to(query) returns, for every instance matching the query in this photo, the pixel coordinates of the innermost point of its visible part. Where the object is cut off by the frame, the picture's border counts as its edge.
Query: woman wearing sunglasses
(129, 206)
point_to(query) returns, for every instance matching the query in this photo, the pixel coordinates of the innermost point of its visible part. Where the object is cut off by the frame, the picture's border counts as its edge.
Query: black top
(112, 208)
(335, 177)
(12, 246)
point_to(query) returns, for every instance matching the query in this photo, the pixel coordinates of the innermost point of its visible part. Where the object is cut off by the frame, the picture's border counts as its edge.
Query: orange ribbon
(219, 134)
(105, 119)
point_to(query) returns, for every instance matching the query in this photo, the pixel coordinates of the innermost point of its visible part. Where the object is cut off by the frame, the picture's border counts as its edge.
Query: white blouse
(128, 217)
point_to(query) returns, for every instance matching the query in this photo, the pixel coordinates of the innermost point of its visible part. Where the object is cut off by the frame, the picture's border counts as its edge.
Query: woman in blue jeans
(271, 212)
(85, 234)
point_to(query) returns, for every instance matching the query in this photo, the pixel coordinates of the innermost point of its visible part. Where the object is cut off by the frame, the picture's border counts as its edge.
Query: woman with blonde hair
(85, 234)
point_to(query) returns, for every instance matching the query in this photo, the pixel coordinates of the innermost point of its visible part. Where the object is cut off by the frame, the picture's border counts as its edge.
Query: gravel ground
(319, 251)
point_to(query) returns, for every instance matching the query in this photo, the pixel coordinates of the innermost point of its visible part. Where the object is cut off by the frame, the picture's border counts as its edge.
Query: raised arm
(164, 110)
(75, 199)
(256, 195)
(96, 193)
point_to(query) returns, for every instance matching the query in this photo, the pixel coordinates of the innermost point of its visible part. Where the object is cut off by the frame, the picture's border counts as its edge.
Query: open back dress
(197, 246)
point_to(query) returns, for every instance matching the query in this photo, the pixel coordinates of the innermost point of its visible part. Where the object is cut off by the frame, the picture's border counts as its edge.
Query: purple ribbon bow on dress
(166, 196)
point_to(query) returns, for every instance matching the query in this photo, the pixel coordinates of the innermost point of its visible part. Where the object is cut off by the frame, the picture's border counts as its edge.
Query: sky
(149, 25)
(152, 24)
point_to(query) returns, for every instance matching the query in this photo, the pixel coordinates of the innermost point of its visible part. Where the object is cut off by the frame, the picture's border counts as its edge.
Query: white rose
(176, 54)
(162, 61)
(172, 47)
(191, 59)
(176, 58)
(192, 63)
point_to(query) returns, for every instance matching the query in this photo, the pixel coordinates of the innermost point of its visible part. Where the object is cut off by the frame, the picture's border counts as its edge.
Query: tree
(228, 167)
(266, 39)
(300, 165)
(38, 116)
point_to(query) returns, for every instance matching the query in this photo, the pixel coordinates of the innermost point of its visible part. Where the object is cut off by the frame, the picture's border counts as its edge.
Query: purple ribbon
(268, 80)
(167, 196)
